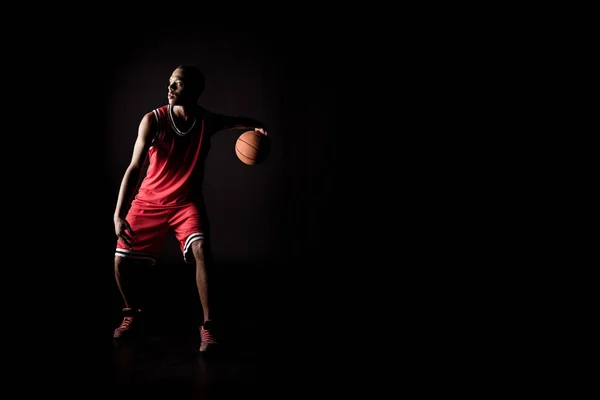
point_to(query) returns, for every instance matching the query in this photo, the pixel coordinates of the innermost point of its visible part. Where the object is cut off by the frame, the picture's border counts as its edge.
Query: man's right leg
(149, 229)
(126, 270)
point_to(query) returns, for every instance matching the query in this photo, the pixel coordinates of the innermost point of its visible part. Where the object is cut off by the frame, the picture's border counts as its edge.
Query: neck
(180, 119)
(184, 111)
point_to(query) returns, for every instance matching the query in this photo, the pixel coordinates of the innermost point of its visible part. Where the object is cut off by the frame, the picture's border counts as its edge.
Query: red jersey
(176, 159)
(173, 159)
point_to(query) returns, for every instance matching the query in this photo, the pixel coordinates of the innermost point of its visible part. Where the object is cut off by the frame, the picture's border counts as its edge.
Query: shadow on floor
(161, 366)
(163, 361)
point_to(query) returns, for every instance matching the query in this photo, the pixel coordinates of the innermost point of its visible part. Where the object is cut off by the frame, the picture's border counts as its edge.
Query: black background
(275, 233)
(339, 232)
(271, 224)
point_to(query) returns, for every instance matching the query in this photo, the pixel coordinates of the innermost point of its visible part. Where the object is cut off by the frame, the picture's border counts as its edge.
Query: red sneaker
(206, 337)
(129, 323)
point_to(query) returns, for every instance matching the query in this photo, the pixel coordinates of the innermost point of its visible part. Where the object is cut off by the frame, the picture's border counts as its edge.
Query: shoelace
(126, 322)
(207, 337)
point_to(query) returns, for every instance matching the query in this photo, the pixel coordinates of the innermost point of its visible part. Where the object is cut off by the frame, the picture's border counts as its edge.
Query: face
(177, 94)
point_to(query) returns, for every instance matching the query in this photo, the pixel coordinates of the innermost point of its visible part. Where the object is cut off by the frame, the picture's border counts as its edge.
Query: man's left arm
(230, 122)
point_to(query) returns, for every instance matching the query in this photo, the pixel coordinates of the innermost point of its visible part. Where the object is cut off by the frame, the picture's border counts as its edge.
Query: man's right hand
(121, 229)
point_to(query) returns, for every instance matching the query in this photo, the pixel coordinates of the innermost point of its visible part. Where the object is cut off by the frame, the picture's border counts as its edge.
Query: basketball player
(173, 139)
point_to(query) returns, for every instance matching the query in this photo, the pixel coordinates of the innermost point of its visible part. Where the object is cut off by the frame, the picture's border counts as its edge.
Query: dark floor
(275, 341)
(260, 339)
(168, 365)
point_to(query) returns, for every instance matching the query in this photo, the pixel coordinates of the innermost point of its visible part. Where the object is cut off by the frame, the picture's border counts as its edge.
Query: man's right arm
(129, 183)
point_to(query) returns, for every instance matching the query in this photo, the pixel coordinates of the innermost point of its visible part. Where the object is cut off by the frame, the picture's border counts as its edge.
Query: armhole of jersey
(157, 127)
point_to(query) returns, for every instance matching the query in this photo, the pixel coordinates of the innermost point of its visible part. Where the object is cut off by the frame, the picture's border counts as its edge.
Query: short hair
(193, 77)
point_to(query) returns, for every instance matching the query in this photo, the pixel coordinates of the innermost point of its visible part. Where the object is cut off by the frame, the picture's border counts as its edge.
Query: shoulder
(150, 123)
(204, 113)
(149, 118)
(154, 116)
(209, 114)
(160, 111)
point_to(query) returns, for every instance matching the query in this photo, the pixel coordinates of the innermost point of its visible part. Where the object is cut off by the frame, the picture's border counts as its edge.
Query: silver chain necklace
(180, 133)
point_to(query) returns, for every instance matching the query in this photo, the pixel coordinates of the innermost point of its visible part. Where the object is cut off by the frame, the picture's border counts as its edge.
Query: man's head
(186, 84)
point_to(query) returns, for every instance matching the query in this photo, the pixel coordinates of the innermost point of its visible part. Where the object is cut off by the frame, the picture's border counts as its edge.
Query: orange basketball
(251, 147)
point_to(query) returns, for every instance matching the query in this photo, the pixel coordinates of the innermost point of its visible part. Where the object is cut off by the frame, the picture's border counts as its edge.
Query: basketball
(251, 147)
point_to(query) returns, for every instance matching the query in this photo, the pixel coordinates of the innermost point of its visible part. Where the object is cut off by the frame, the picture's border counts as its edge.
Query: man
(173, 139)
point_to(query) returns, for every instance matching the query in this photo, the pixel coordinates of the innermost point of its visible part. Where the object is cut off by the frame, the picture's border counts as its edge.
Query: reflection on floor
(254, 356)
(160, 365)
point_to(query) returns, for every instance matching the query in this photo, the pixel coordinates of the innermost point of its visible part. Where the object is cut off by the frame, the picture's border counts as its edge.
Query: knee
(118, 262)
(198, 248)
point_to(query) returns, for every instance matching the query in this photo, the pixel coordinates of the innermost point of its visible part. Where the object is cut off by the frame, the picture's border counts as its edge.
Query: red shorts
(150, 227)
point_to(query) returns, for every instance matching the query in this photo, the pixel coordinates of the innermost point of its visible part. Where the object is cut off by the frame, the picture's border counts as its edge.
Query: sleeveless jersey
(173, 159)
